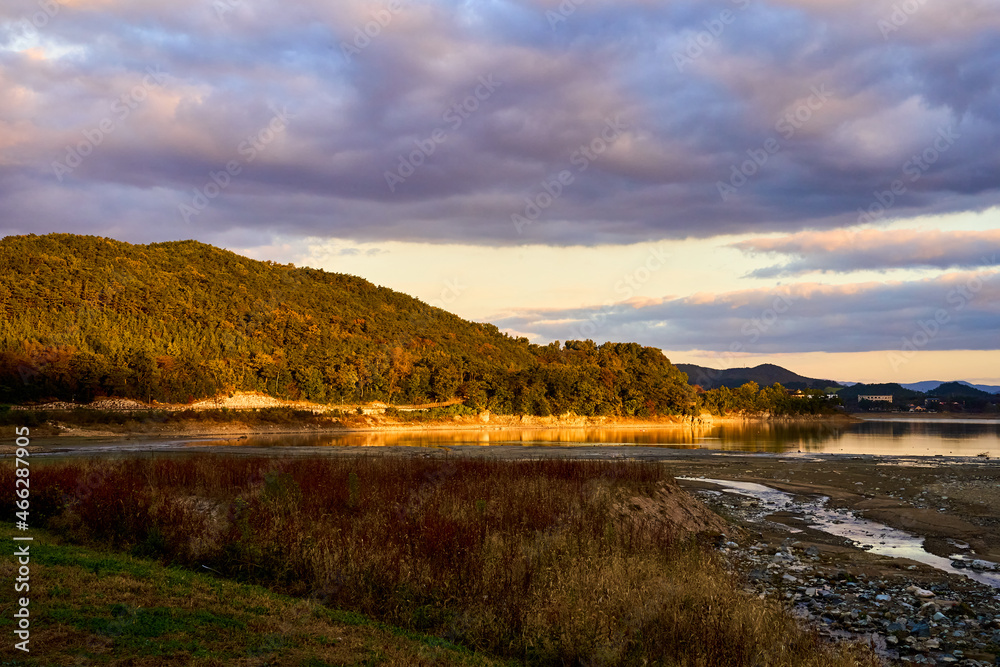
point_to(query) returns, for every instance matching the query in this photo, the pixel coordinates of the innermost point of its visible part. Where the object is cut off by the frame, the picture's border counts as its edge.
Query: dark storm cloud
(446, 119)
(955, 311)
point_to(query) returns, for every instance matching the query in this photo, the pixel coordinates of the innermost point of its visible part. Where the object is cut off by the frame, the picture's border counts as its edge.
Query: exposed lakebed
(873, 548)
(868, 535)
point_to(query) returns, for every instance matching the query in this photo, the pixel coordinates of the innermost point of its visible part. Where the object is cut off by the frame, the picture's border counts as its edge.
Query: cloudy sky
(814, 183)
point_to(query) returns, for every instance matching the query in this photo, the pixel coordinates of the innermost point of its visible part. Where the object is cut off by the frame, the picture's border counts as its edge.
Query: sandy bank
(144, 423)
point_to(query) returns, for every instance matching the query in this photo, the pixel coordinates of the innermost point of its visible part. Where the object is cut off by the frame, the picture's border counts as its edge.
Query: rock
(883, 597)
(919, 592)
(810, 592)
(789, 578)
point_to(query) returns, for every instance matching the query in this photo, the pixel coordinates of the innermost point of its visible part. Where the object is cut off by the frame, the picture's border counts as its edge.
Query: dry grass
(530, 560)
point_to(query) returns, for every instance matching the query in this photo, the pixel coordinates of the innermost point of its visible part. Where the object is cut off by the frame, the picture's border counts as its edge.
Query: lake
(896, 437)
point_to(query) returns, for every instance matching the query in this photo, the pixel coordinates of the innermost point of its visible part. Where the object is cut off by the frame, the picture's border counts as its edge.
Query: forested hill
(763, 375)
(87, 316)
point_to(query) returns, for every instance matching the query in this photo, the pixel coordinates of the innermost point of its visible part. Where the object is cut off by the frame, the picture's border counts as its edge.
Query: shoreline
(923, 416)
(54, 429)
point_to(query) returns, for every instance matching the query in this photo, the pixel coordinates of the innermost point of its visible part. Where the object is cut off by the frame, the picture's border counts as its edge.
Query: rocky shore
(950, 622)
(909, 611)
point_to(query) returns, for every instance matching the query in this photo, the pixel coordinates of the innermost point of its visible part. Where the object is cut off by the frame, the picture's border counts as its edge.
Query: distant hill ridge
(931, 385)
(763, 375)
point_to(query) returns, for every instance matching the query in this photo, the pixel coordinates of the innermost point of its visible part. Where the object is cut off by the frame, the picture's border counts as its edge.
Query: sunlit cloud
(962, 309)
(847, 250)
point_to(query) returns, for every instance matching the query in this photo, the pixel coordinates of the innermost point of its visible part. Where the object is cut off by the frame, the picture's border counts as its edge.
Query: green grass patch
(94, 608)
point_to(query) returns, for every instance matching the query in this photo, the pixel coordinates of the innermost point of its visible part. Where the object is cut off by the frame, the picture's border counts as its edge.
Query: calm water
(898, 437)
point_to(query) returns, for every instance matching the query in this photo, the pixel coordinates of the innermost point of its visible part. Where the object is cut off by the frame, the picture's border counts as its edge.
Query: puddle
(868, 535)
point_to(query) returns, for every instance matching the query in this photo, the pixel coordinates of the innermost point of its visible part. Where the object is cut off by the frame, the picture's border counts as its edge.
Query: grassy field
(540, 562)
(97, 608)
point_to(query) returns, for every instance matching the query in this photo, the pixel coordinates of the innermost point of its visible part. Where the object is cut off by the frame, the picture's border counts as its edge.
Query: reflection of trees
(762, 437)
(777, 436)
(927, 429)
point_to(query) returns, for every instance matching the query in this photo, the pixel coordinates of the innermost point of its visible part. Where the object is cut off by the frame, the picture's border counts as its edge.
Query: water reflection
(870, 437)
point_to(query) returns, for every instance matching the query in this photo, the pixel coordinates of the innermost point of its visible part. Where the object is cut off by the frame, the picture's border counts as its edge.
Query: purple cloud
(369, 84)
(844, 251)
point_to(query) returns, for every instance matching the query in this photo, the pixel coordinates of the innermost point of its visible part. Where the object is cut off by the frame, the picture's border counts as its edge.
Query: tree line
(84, 317)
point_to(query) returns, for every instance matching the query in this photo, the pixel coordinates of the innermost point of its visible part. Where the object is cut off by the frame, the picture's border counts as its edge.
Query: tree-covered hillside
(88, 316)
(763, 375)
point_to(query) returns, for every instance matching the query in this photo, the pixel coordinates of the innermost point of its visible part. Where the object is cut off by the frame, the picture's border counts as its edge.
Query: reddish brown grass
(521, 558)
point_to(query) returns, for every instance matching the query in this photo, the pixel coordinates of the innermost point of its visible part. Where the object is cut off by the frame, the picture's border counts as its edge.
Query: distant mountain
(928, 385)
(763, 375)
(958, 389)
(924, 386)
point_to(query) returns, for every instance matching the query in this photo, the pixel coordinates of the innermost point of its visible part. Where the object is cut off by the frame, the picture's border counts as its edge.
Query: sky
(812, 183)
